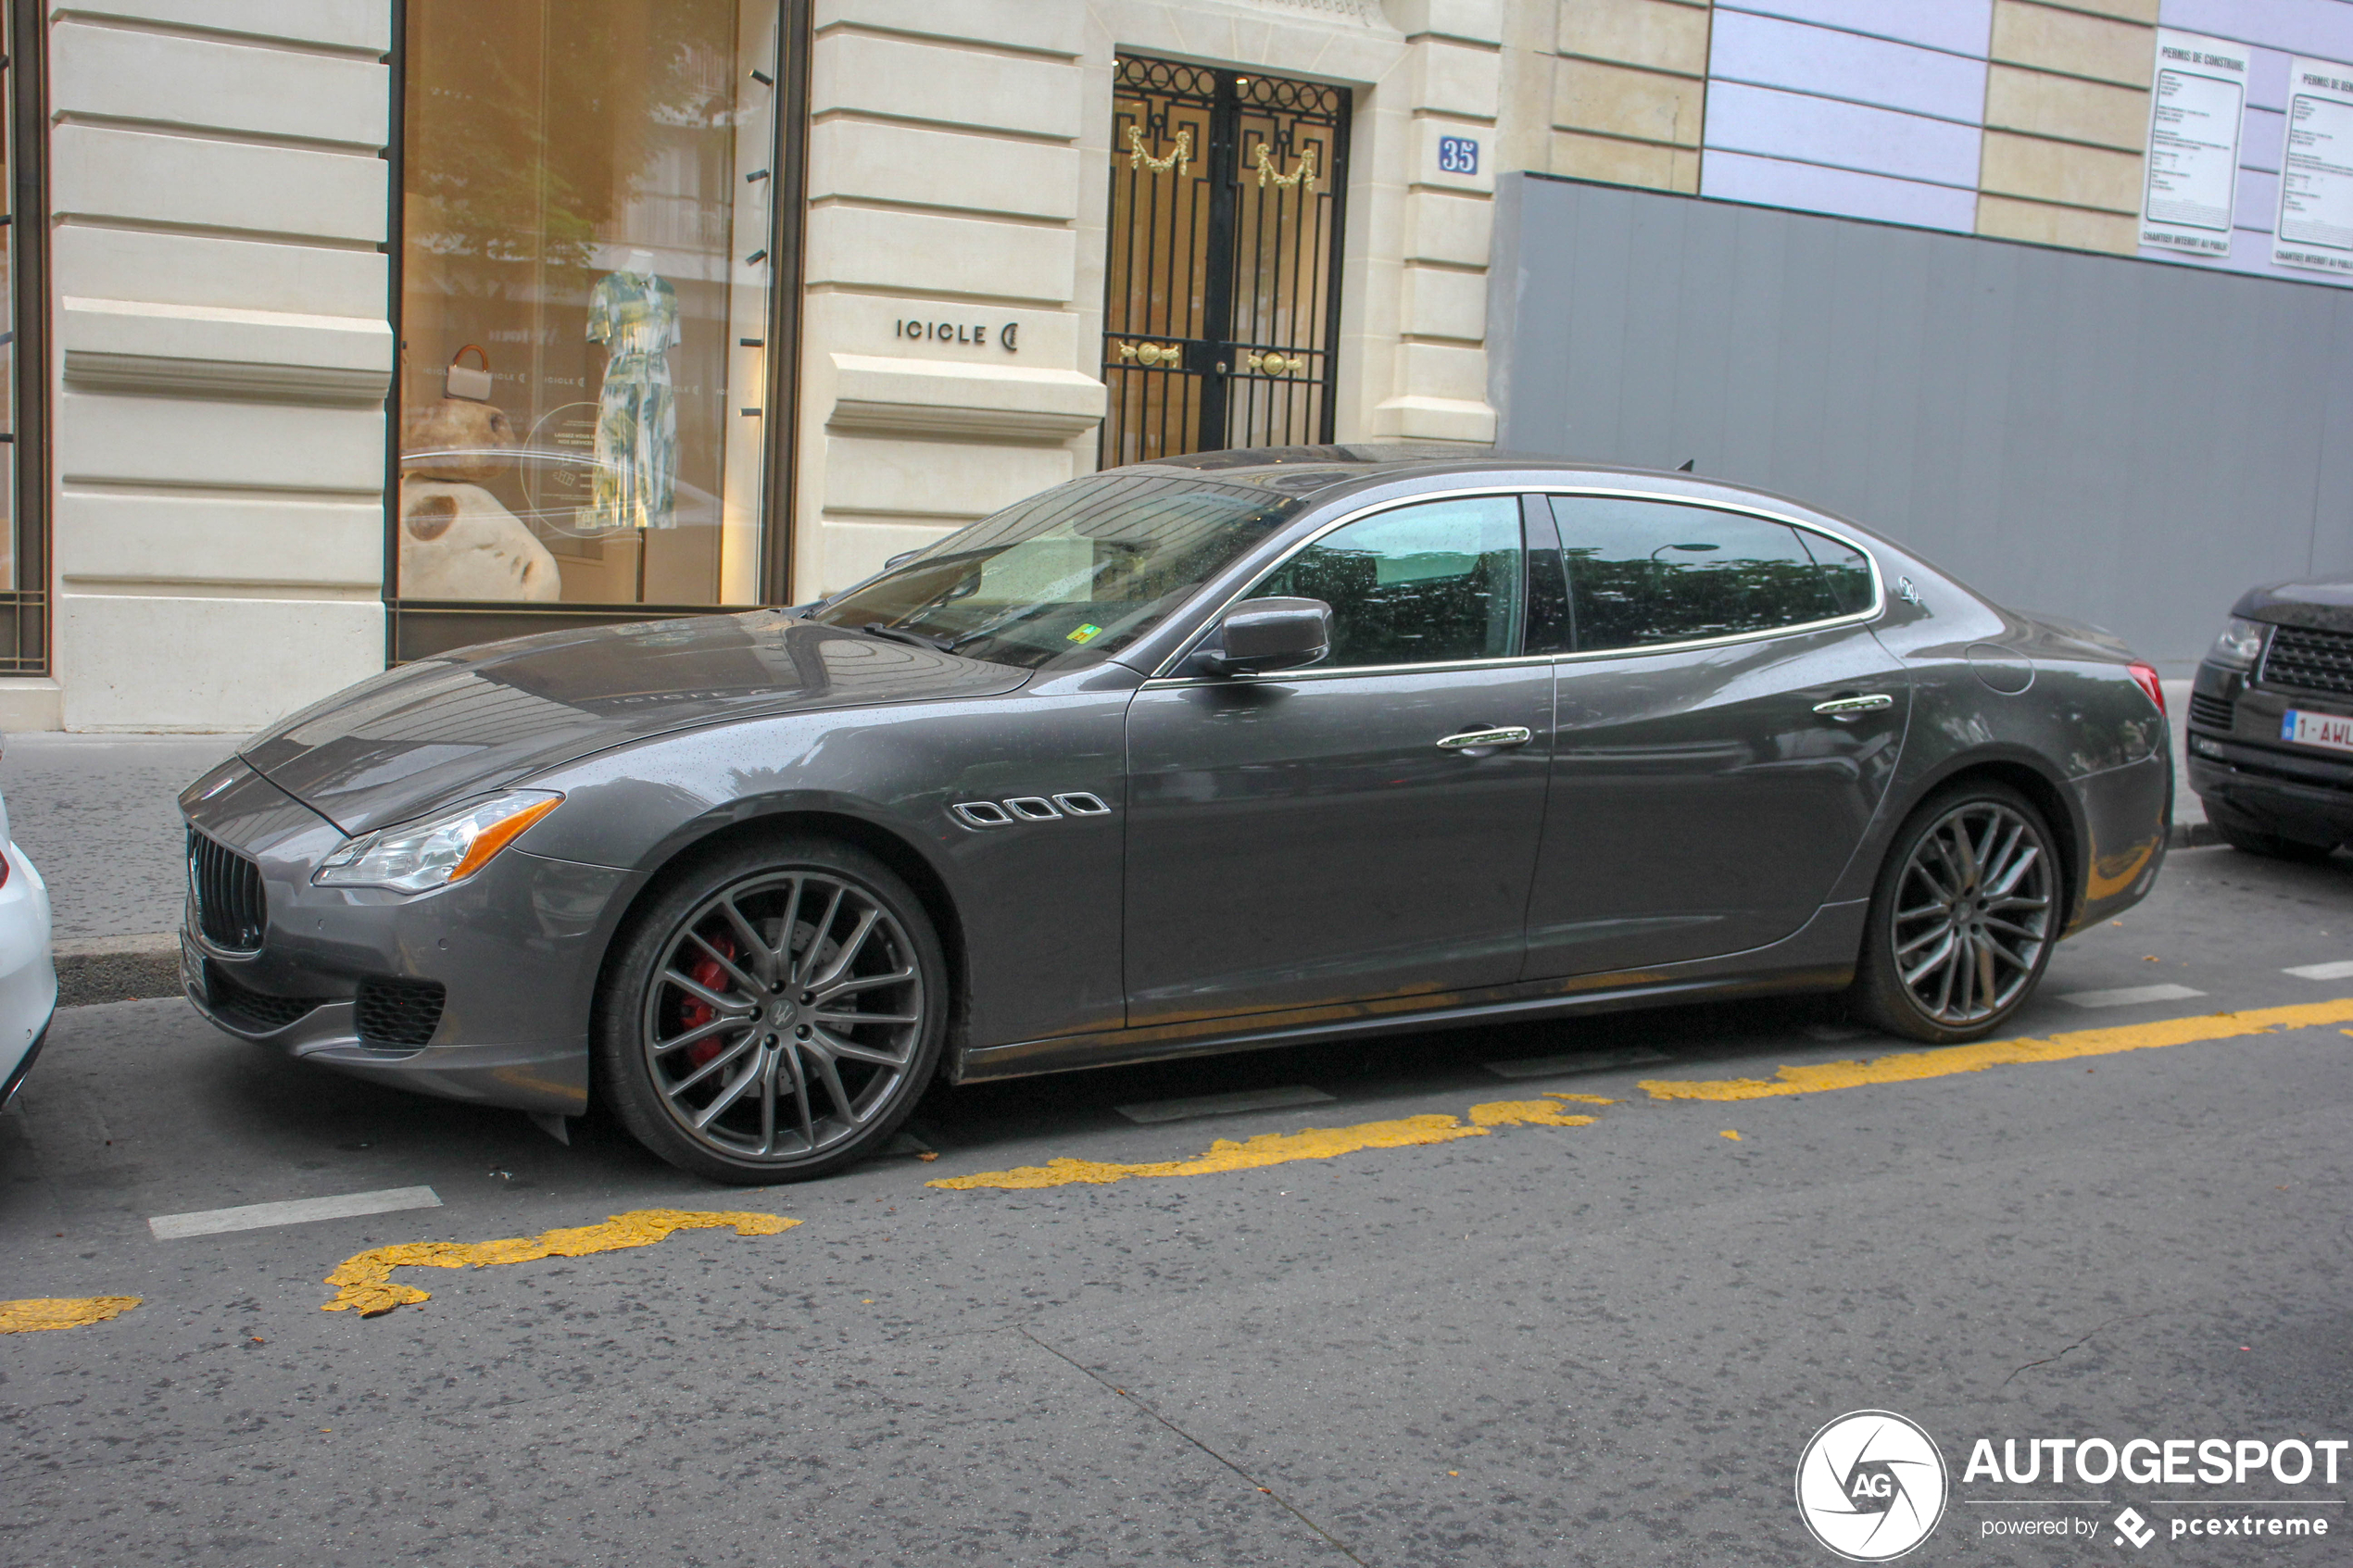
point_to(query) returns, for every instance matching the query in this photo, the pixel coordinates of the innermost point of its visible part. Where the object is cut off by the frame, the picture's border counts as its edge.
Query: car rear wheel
(775, 1014)
(1962, 922)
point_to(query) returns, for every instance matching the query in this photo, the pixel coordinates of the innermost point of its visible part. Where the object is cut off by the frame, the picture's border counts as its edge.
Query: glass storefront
(589, 199)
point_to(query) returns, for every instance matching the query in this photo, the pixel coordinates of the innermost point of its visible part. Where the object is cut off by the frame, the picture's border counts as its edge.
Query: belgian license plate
(2331, 730)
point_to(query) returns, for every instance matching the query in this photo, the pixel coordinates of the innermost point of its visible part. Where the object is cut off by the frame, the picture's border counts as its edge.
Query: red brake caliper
(693, 1011)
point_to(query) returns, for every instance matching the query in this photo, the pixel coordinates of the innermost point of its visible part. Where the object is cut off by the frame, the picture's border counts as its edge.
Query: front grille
(399, 1012)
(231, 908)
(244, 1008)
(2212, 712)
(2316, 661)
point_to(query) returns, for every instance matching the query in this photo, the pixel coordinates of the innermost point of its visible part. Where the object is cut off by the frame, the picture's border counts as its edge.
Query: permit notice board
(2315, 227)
(2195, 112)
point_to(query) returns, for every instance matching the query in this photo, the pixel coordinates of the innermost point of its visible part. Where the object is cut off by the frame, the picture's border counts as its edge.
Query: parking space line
(2128, 995)
(1148, 1112)
(1575, 1061)
(2339, 969)
(364, 1283)
(1909, 1066)
(1282, 1149)
(259, 1216)
(61, 1312)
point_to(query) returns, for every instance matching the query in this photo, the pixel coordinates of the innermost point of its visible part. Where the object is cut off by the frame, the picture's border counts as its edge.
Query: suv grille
(2318, 661)
(399, 1012)
(257, 1012)
(2213, 712)
(230, 908)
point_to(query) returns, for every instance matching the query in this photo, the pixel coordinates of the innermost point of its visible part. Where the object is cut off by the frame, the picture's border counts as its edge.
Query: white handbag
(465, 381)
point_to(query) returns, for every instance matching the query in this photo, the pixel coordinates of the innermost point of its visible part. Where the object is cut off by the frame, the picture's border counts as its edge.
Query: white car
(27, 979)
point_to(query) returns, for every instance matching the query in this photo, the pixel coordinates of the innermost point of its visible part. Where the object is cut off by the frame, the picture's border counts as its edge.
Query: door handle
(1840, 707)
(1488, 740)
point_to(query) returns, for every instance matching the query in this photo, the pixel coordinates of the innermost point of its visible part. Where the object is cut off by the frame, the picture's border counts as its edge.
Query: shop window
(23, 474)
(591, 409)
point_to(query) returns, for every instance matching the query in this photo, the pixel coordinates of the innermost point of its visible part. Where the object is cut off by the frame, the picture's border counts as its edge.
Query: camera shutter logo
(1872, 1485)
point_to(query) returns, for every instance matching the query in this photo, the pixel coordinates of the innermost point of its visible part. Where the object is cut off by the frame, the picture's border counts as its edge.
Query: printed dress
(636, 316)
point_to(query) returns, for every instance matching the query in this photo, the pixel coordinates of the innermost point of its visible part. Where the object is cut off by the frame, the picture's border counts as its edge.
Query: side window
(1422, 584)
(1654, 571)
(1844, 567)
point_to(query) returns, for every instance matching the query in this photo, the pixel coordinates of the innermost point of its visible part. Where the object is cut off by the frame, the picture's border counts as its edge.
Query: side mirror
(1265, 634)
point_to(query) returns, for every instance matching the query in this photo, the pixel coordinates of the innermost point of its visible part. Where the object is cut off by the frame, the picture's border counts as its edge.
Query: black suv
(2270, 735)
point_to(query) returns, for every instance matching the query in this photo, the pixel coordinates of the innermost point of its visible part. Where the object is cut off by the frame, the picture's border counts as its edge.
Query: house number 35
(1457, 155)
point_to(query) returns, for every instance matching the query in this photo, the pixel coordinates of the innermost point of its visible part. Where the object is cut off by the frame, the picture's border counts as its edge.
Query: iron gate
(1221, 308)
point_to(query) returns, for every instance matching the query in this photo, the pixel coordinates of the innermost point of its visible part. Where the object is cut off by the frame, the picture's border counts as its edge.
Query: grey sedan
(1239, 751)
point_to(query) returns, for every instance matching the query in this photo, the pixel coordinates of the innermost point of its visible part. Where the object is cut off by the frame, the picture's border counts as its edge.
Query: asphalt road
(1543, 1345)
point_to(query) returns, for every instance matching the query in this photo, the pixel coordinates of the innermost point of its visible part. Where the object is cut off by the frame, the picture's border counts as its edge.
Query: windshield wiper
(897, 634)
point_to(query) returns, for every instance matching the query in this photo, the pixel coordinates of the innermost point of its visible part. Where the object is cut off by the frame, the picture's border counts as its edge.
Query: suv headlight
(2240, 644)
(438, 850)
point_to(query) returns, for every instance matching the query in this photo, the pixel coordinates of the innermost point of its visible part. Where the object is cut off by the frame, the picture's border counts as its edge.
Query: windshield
(1075, 573)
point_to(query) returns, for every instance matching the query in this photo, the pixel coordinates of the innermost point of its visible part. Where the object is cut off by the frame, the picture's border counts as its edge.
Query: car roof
(1309, 472)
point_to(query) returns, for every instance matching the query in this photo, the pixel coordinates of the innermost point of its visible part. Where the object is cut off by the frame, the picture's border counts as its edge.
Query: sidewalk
(99, 815)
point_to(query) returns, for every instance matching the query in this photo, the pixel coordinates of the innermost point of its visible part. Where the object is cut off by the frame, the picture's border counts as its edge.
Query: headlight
(2240, 644)
(438, 850)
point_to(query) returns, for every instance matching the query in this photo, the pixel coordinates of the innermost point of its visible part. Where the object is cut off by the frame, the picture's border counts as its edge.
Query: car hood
(2320, 606)
(486, 717)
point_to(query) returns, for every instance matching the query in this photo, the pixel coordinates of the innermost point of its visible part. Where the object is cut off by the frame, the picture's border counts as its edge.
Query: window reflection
(585, 299)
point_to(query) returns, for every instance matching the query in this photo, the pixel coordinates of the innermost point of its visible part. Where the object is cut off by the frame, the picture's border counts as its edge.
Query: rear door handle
(1838, 706)
(1488, 740)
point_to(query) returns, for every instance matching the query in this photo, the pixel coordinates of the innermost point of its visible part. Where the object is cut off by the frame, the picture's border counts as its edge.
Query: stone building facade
(353, 331)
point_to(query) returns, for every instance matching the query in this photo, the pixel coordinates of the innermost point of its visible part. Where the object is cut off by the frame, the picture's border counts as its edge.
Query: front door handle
(1840, 707)
(1488, 740)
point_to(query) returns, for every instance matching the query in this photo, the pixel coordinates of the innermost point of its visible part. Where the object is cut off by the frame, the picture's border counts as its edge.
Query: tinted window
(1420, 584)
(1650, 572)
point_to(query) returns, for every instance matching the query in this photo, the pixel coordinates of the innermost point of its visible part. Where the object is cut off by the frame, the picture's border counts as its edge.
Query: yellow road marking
(364, 1283)
(1912, 1066)
(1728, 1132)
(1281, 1148)
(61, 1312)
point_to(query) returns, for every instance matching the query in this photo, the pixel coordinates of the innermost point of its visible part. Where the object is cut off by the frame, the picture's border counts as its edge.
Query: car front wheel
(1962, 920)
(775, 1014)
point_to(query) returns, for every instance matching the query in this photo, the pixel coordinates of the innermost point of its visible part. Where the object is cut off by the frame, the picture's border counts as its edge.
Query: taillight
(2146, 678)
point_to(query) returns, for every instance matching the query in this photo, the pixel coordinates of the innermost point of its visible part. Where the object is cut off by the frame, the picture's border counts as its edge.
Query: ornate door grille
(1221, 310)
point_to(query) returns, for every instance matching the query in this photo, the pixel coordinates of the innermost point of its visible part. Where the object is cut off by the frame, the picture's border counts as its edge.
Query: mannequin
(635, 313)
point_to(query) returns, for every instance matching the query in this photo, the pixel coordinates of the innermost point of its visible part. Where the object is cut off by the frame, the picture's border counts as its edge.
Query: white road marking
(256, 1216)
(2125, 996)
(1223, 1105)
(1576, 1061)
(2337, 970)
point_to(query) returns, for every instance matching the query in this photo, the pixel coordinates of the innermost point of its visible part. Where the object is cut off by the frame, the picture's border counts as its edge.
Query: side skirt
(1818, 956)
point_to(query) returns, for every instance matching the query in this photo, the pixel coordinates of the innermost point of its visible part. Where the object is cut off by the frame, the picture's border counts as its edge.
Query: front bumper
(345, 976)
(2238, 763)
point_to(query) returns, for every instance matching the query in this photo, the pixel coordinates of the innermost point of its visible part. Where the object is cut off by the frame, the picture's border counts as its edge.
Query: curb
(128, 969)
(117, 969)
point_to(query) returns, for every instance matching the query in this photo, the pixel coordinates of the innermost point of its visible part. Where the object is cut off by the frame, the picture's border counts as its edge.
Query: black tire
(698, 1004)
(1949, 954)
(2240, 834)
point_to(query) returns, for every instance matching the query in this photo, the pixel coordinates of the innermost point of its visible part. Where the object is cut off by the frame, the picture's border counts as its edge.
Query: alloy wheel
(1973, 913)
(784, 1016)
